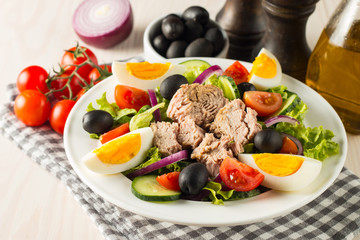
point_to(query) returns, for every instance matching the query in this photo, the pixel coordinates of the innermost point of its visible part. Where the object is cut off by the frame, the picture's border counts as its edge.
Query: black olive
(199, 48)
(193, 178)
(196, 13)
(171, 84)
(268, 141)
(161, 44)
(172, 27)
(97, 121)
(215, 36)
(244, 87)
(193, 30)
(176, 49)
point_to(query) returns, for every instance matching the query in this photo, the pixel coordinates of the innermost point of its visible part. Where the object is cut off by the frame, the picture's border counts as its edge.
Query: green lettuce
(218, 196)
(120, 116)
(153, 155)
(214, 80)
(144, 118)
(192, 73)
(163, 110)
(317, 142)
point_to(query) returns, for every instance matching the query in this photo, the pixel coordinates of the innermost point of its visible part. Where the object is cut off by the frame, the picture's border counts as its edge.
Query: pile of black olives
(192, 34)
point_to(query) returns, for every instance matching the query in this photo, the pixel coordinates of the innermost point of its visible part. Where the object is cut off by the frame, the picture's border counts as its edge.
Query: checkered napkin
(333, 215)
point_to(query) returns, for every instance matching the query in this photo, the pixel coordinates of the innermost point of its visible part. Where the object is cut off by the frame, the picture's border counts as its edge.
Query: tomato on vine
(96, 77)
(59, 114)
(61, 91)
(76, 56)
(32, 77)
(32, 107)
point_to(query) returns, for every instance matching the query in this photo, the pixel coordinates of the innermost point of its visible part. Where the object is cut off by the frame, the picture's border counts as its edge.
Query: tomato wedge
(169, 180)
(288, 146)
(130, 97)
(116, 132)
(238, 72)
(264, 103)
(239, 176)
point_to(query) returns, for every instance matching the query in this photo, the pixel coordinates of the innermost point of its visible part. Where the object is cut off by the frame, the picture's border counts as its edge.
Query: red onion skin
(153, 101)
(142, 171)
(110, 38)
(215, 69)
(281, 118)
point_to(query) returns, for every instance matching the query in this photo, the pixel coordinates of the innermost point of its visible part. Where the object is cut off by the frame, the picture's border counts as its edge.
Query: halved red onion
(173, 158)
(280, 118)
(103, 23)
(296, 141)
(214, 69)
(154, 102)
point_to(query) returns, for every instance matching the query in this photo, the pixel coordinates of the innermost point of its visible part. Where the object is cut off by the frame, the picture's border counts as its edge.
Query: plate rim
(210, 223)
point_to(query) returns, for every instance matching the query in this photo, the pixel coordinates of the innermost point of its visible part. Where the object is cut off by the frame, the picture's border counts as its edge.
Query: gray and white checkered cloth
(333, 215)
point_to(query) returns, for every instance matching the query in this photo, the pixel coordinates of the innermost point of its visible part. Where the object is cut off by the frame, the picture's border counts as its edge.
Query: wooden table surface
(34, 204)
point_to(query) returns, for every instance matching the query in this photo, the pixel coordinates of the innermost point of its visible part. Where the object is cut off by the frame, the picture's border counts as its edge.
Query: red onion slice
(173, 158)
(281, 118)
(154, 102)
(296, 141)
(214, 69)
(103, 23)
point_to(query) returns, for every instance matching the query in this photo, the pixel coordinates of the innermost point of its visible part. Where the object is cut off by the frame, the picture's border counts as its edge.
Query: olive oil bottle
(334, 65)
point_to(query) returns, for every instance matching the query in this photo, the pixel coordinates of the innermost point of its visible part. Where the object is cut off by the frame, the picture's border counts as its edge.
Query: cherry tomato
(80, 94)
(32, 107)
(114, 133)
(68, 58)
(239, 176)
(32, 77)
(238, 72)
(169, 180)
(94, 74)
(59, 114)
(288, 146)
(264, 103)
(75, 85)
(130, 97)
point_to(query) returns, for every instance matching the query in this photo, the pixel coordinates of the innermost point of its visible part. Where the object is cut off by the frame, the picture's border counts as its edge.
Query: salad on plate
(198, 132)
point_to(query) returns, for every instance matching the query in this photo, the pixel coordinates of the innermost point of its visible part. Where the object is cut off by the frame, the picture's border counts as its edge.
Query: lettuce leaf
(144, 118)
(192, 73)
(218, 196)
(317, 142)
(120, 116)
(153, 155)
(163, 110)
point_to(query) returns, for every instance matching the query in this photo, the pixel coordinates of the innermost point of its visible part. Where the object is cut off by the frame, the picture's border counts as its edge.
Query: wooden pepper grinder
(245, 23)
(285, 34)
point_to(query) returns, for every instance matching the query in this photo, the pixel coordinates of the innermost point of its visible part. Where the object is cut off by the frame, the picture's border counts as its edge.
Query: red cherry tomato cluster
(79, 71)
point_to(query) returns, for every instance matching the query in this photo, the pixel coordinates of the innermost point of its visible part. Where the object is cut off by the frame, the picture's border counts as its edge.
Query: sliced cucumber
(148, 189)
(289, 104)
(229, 87)
(195, 63)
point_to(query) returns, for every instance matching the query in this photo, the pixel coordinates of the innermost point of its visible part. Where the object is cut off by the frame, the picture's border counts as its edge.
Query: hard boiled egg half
(266, 71)
(284, 172)
(121, 153)
(144, 75)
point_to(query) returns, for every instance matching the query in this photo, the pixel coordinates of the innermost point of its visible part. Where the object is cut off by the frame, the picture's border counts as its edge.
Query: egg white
(264, 83)
(124, 77)
(306, 174)
(93, 163)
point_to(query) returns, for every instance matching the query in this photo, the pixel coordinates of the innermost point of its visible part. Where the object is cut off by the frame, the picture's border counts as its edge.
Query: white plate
(116, 188)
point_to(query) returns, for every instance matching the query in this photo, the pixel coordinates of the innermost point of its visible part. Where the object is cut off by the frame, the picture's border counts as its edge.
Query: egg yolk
(146, 70)
(264, 67)
(278, 164)
(120, 150)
